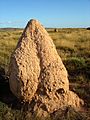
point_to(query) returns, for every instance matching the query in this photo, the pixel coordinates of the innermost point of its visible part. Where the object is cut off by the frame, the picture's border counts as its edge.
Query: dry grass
(8, 41)
(77, 40)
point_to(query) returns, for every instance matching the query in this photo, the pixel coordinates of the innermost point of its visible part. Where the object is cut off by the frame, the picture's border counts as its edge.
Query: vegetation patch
(73, 46)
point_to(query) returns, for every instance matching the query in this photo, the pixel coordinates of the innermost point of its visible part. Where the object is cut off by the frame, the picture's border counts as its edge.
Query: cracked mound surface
(37, 73)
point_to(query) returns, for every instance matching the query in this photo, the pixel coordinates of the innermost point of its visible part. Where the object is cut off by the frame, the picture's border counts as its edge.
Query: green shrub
(76, 68)
(75, 64)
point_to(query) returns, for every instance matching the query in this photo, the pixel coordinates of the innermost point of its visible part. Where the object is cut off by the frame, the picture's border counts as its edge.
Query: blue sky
(51, 13)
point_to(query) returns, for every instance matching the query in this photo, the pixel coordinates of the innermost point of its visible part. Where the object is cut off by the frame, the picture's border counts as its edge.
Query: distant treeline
(10, 29)
(48, 29)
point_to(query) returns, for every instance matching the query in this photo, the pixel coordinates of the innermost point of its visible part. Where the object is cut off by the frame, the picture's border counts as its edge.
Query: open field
(73, 46)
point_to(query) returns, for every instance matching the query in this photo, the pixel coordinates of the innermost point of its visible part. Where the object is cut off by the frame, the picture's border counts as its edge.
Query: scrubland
(73, 46)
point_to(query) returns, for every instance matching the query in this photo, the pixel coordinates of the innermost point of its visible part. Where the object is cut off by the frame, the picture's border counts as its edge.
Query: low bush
(78, 69)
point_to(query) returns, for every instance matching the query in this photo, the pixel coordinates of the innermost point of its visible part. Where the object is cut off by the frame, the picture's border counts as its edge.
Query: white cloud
(11, 22)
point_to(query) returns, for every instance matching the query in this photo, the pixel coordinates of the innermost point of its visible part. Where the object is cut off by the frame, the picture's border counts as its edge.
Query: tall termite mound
(37, 73)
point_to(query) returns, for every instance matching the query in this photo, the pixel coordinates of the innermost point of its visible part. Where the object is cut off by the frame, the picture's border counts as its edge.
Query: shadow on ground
(6, 95)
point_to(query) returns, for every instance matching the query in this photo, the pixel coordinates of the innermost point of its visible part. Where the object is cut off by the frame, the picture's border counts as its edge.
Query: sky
(51, 13)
